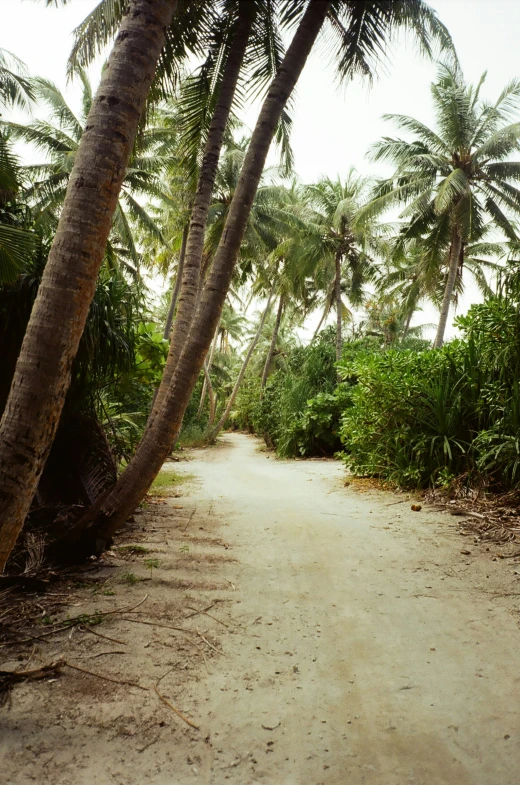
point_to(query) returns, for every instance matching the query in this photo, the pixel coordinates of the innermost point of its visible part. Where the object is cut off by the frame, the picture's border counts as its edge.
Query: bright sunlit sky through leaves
(333, 125)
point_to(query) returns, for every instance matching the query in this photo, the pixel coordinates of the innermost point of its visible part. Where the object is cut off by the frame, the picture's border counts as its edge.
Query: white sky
(333, 126)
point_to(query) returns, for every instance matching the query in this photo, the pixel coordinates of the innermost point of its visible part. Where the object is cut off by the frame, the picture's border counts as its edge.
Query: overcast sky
(333, 125)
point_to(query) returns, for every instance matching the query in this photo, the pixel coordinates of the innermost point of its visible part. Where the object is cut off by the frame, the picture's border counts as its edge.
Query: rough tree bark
(112, 512)
(177, 286)
(213, 434)
(272, 345)
(208, 362)
(211, 395)
(339, 306)
(43, 372)
(199, 215)
(455, 251)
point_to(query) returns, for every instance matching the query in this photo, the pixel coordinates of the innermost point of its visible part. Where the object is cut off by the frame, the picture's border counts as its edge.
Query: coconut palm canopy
(457, 179)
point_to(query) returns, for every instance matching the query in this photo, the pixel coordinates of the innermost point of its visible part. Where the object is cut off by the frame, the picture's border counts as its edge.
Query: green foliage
(152, 564)
(165, 482)
(295, 414)
(129, 578)
(133, 549)
(423, 418)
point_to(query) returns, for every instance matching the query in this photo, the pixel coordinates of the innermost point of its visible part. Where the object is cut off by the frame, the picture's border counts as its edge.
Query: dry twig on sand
(170, 705)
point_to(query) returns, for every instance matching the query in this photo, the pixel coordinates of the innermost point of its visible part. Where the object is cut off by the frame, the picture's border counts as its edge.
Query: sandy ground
(349, 642)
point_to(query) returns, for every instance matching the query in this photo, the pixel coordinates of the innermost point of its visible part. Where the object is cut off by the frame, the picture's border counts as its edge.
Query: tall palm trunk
(199, 215)
(177, 287)
(213, 434)
(339, 307)
(272, 345)
(112, 512)
(211, 395)
(407, 324)
(455, 251)
(43, 371)
(208, 362)
(323, 317)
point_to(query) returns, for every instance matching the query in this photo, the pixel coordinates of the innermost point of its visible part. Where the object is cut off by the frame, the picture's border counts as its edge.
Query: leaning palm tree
(43, 371)
(457, 177)
(362, 31)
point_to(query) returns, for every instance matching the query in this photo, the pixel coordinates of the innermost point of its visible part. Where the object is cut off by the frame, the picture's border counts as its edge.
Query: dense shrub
(421, 418)
(281, 415)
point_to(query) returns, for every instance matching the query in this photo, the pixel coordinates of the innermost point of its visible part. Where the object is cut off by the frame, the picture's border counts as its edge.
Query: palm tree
(455, 178)
(247, 359)
(244, 50)
(230, 326)
(363, 30)
(411, 273)
(288, 277)
(58, 317)
(335, 247)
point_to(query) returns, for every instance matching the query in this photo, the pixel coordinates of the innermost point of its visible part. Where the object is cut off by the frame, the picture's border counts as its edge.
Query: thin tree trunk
(272, 345)
(213, 434)
(407, 325)
(337, 297)
(177, 287)
(323, 317)
(43, 371)
(456, 246)
(109, 514)
(211, 396)
(207, 363)
(199, 215)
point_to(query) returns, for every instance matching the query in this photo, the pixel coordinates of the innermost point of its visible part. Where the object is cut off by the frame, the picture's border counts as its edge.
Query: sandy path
(359, 645)
(377, 655)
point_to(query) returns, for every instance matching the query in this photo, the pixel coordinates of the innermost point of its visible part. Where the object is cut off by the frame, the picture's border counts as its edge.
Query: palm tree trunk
(176, 288)
(323, 317)
(109, 514)
(213, 434)
(456, 247)
(43, 372)
(272, 345)
(407, 325)
(199, 215)
(211, 396)
(337, 297)
(207, 364)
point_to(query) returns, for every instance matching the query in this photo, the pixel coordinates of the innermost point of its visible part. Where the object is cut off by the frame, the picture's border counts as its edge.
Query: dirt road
(346, 641)
(372, 649)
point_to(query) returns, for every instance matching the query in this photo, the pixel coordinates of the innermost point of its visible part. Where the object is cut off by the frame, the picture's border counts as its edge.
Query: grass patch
(129, 578)
(166, 482)
(133, 549)
(193, 435)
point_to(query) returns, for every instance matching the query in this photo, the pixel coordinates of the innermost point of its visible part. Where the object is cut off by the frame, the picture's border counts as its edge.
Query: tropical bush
(423, 418)
(280, 414)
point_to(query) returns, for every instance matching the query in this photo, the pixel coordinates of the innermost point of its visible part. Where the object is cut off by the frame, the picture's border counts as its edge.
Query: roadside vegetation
(100, 387)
